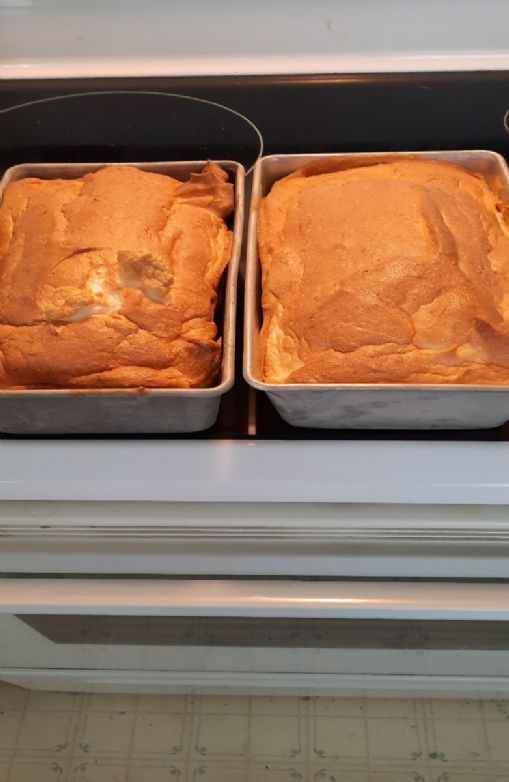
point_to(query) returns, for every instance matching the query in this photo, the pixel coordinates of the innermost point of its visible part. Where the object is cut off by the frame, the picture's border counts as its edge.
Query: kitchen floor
(63, 737)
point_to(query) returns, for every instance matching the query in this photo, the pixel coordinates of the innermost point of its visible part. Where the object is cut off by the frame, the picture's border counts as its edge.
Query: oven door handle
(256, 598)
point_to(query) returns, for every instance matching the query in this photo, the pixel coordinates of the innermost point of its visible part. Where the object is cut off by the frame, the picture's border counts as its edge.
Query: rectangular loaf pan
(130, 411)
(365, 405)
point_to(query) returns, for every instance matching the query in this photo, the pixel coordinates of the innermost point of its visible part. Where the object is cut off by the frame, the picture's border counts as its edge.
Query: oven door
(273, 635)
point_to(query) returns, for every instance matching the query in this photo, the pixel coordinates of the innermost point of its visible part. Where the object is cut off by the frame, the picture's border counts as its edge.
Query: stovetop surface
(119, 120)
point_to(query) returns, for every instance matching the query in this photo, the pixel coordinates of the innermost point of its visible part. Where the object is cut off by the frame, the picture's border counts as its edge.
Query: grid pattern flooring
(65, 737)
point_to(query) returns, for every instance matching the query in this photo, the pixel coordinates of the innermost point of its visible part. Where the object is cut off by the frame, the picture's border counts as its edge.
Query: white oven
(256, 556)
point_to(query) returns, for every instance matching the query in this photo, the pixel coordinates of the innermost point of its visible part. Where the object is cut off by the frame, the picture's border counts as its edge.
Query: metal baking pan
(366, 405)
(130, 411)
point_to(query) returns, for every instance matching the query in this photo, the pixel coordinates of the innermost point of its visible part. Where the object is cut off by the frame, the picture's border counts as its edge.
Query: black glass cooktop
(115, 120)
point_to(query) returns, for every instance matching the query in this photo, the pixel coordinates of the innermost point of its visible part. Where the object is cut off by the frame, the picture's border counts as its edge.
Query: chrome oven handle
(256, 598)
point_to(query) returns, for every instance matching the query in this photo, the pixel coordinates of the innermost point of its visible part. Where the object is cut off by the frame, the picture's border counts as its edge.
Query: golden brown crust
(110, 279)
(394, 272)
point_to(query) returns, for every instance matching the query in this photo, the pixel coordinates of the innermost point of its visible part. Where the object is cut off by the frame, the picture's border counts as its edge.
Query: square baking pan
(367, 405)
(135, 410)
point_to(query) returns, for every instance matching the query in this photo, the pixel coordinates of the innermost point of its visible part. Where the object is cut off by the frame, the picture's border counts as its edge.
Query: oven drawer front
(250, 627)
